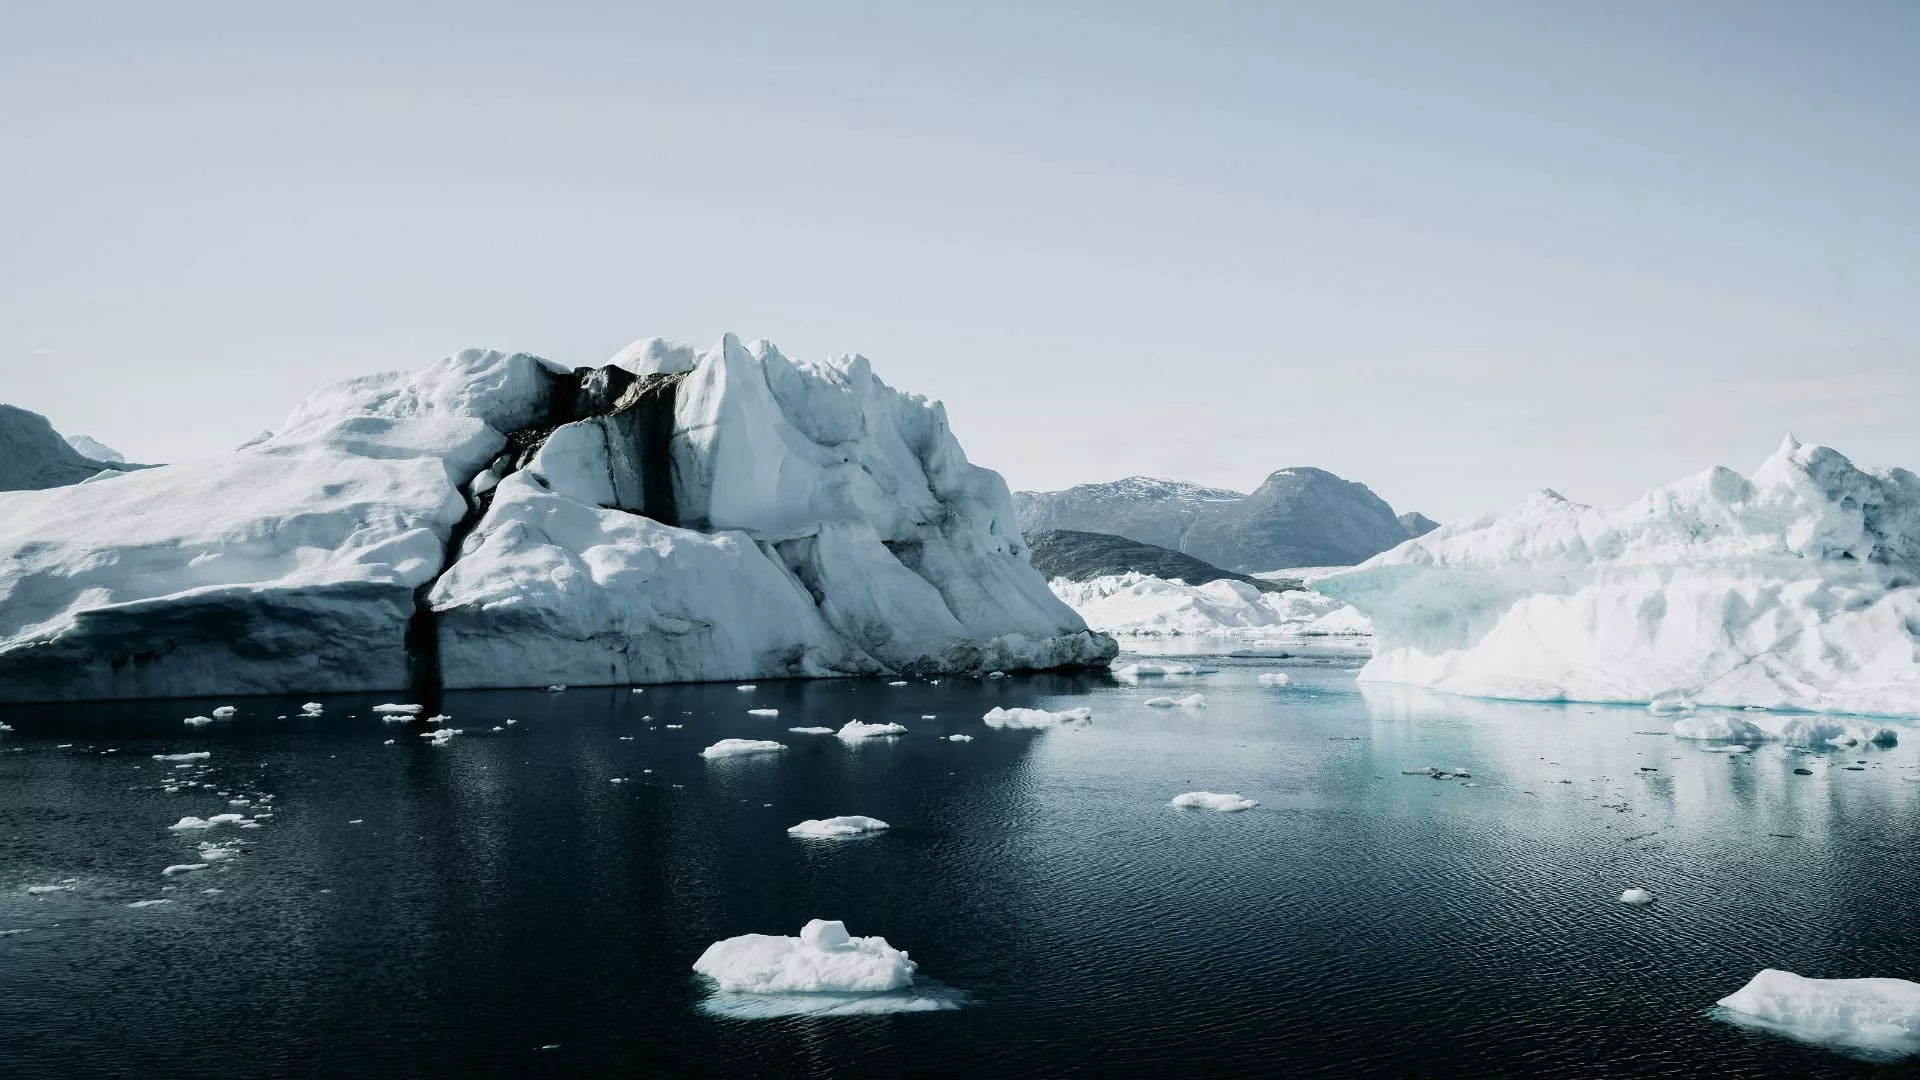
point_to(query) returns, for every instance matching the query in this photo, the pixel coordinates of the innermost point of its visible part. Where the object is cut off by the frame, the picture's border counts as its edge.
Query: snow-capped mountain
(1143, 508)
(498, 520)
(1798, 588)
(1298, 517)
(1063, 554)
(90, 447)
(33, 456)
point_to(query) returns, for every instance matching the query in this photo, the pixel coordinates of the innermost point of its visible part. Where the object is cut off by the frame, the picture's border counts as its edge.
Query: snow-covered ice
(733, 516)
(1138, 604)
(1191, 701)
(196, 721)
(400, 710)
(763, 712)
(190, 822)
(739, 747)
(1275, 678)
(855, 730)
(1876, 1017)
(1797, 588)
(811, 730)
(1213, 800)
(224, 711)
(824, 958)
(1035, 718)
(1636, 897)
(846, 825)
(1143, 669)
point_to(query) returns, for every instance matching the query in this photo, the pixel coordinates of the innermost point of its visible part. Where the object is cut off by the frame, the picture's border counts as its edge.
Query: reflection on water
(456, 910)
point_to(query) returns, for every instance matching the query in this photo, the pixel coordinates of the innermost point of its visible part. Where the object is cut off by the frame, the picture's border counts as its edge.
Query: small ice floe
(1788, 728)
(1035, 718)
(744, 687)
(636, 690)
(389, 742)
(823, 959)
(1669, 704)
(510, 723)
(42, 890)
(1213, 800)
(6, 727)
(674, 727)
(399, 710)
(811, 730)
(1636, 897)
(959, 738)
(898, 682)
(222, 819)
(196, 721)
(763, 712)
(11, 933)
(1736, 748)
(182, 868)
(313, 708)
(855, 730)
(356, 821)
(739, 747)
(1875, 1019)
(617, 780)
(556, 688)
(996, 674)
(190, 822)
(212, 852)
(1275, 678)
(149, 903)
(198, 755)
(927, 716)
(497, 727)
(1191, 701)
(1436, 773)
(828, 828)
(440, 736)
(439, 718)
(1144, 670)
(224, 711)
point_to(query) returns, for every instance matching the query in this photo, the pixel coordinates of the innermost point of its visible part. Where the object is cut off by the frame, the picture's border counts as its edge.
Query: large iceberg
(497, 520)
(1135, 603)
(1796, 589)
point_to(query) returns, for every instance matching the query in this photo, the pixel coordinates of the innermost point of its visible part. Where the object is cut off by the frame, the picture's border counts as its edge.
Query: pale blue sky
(1453, 250)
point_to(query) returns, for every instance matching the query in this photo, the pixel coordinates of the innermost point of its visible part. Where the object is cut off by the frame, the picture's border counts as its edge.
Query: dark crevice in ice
(636, 414)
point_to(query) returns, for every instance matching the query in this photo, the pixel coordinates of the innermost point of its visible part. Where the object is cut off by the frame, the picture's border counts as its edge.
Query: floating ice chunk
(42, 890)
(746, 686)
(1191, 701)
(811, 730)
(739, 747)
(182, 868)
(218, 819)
(149, 903)
(190, 822)
(556, 688)
(1035, 718)
(1668, 704)
(855, 730)
(439, 736)
(1275, 678)
(198, 755)
(1636, 897)
(763, 712)
(847, 825)
(1736, 748)
(224, 711)
(636, 690)
(1876, 1018)
(675, 727)
(925, 995)
(1792, 729)
(959, 738)
(439, 718)
(996, 674)
(6, 727)
(212, 852)
(898, 682)
(391, 709)
(196, 721)
(1213, 800)
(313, 708)
(1145, 670)
(927, 716)
(824, 958)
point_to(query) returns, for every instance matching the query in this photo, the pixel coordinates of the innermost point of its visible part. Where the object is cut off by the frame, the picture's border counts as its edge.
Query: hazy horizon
(1456, 251)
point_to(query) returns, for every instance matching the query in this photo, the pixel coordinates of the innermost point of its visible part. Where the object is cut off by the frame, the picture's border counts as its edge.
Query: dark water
(501, 895)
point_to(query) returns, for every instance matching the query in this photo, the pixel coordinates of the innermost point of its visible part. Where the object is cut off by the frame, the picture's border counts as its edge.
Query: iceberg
(1797, 588)
(500, 520)
(1138, 604)
(855, 730)
(726, 748)
(824, 958)
(1035, 718)
(846, 825)
(1213, 800)
(1801, 730)
(1872, 1018)
(1191, 701)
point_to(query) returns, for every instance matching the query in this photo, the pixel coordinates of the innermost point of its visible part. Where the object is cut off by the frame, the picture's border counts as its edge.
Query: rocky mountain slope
(1142, 508)
(33, 456)
(1083, 556)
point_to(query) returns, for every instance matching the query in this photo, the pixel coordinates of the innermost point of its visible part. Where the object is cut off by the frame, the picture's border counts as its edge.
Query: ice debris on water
(313, 708)
(739, 747)
(1636, 897)
(1035, 718)
(898, 682)
(198, 755)
(1275, 678)
(182, 868)
(824, 958)
(746, 686)
(1213, 800)
(1874, 1018)
(763, 712)
(196, 721)
(190, 822)
(149, 903)
(391, 709)
(1191, 701)
(811, 730)
(854, 730)
(846, 825)
(959, 738)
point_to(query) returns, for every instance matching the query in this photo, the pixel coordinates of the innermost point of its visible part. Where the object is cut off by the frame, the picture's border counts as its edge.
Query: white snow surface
(824, 958)
(1137, 604)
(827, 525)
(845, 825)
(1214, 800)
(1872, 1015)
(1797, 588)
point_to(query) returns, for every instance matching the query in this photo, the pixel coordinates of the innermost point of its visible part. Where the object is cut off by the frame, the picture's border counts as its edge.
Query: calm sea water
(497, 907)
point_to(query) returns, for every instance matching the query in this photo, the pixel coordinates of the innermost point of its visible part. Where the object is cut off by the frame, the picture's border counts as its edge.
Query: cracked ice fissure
(635, 410)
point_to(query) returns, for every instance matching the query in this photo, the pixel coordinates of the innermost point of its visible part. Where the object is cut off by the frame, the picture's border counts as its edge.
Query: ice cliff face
(497, 520)
(1797, 588)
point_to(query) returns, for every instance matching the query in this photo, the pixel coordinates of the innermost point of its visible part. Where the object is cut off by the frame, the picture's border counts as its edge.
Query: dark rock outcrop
(1082, 556)
(1298, 517)
(34, 456)
(1139, 508)
(1417, 524)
